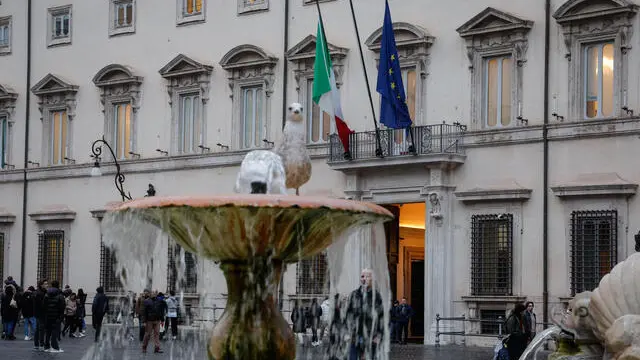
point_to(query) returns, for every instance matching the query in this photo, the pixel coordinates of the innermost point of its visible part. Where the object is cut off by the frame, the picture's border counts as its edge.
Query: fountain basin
(253, 237)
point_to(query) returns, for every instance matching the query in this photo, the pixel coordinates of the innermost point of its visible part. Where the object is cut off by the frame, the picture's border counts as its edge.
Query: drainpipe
(285, 78)
(26, 149)
(545, 164)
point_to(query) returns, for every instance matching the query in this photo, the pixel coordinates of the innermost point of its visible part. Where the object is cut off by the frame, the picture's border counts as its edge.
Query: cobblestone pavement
(75, 349)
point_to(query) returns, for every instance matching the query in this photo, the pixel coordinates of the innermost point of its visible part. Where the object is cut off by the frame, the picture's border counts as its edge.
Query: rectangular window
(108, 278)
(594, 241)
(490, 321)
(252, 122)
(189, 124)
(497, 91)
(599, 82)
(51, 255)
(491, 255)
(58, 131)
(182, 265)
(4, 141)
(4, 34)
(122, 130)
(123, 13)
(1, 255)
(312, 275)
(409, 83)
(318, 129)
(61, 25)
(192, 7)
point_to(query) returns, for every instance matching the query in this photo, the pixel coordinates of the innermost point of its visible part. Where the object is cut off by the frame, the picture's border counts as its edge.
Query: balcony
(439, 144)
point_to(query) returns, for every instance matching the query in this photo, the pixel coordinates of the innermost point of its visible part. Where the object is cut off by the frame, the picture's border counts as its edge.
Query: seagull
(292, 148)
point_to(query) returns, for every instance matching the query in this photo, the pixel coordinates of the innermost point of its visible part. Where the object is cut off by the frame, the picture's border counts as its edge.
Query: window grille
(594, 240)
(312, 276)
(189, 284)
(490, 321)
(491, 254)
(1, 255)
(109, 281)
(51, 255)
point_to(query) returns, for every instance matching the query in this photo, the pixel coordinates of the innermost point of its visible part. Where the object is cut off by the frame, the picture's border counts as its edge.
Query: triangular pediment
(306, 49)
(585, 10)
(490, 21)
(115, 74)
(406, 34)
(247, 55)
(184, 65)
(53, 84)
(7, 93)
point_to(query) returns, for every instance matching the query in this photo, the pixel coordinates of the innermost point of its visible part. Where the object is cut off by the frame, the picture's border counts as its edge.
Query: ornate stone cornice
(595, 185)
(303, 54)
(53, 213)
(118, 81)
(246, 62)
(575, 11)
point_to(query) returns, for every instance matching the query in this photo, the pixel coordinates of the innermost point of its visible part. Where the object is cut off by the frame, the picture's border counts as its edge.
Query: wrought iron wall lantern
(96, 149)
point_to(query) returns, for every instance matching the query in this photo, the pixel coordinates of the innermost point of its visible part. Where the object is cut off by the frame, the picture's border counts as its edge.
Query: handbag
(13, 303)
(162, 327)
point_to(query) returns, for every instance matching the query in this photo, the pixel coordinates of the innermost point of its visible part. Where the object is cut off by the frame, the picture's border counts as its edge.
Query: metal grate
(189, 284)
(312, 277)
(491, 254)
(1, 256)
(108, 278)
(490, 321)
(51, 255)
(594, 240)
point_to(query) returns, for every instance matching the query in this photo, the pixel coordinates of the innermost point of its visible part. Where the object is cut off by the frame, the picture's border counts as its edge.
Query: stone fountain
(603, 324)
(252, 236)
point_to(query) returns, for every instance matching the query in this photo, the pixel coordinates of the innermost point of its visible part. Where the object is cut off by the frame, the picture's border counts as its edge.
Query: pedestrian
(99, 309)
(516, 330)
(27, 308)
(10, 310)
(393, 321)
(530, 320)
(140, 312)
(315, 312)
(82, 301)
(339, 347)
(40, 314)
(405, 312)
(365, 319)
(172, 314)
(325, 318)
(54, 306)
(298, 321)
(153, 314)
(70, 315)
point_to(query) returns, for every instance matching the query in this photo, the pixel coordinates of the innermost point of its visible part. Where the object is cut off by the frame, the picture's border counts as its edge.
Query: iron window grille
(109, 280)
(490, 321)
(312, 277)
(189, 283)
(51, 255)
(594, 241)
(491, 255)
(1, 255)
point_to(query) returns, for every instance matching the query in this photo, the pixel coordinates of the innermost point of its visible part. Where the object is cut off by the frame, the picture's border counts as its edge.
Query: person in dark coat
(298, 321)
(9, 307)
(99, 309)
(54, 305)
(393, 321)
(405, 312)
(315, 312)
(154, 311)
(82, 310)
(26, 307)
(40, 314)
(365, 318)
(516, 329)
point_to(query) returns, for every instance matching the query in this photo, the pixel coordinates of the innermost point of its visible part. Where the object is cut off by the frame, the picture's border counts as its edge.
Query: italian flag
(325, 91)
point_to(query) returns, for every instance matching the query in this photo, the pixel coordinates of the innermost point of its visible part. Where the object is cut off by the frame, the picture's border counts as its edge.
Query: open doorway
(405, 254)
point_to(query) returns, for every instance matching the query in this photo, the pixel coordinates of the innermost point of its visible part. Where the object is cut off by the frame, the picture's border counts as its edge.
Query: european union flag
(394, 112)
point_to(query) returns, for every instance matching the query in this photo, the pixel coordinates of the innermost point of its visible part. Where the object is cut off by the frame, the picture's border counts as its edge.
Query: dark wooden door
(392, 231)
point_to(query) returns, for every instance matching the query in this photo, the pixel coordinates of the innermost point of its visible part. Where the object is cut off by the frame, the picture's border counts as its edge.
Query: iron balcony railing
(426, 139)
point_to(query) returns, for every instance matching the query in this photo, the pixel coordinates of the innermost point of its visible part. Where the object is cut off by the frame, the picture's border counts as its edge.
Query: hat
(31, 288)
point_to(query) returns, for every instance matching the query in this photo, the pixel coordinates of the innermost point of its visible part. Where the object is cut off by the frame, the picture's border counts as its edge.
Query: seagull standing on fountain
(293, 150)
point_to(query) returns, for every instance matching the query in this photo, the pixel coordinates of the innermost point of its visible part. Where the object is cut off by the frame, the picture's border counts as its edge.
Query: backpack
(500, 351)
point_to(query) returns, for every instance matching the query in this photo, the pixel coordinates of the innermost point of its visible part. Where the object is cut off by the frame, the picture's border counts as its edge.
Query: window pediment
(492, 21)
(594, 185)
(53, 213)
(245, 56)
(52, 84)
(7, 99)
(407, 36)
(588, 10)
(115, 74)
(183, 65)
(6, 217)
(306, 49)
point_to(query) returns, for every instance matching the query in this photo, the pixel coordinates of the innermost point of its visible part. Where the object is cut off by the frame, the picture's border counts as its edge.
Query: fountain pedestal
(251, 326)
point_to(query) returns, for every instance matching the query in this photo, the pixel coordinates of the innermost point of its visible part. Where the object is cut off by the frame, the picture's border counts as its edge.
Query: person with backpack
(154, 309)
(27, 308)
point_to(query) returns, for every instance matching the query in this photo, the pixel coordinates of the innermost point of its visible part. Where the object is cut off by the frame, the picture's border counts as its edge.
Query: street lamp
(96, 149)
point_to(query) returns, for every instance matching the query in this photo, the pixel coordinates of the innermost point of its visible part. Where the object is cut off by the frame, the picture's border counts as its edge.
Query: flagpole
(366, 79)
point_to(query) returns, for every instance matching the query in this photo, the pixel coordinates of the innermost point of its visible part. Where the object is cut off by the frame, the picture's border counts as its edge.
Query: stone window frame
(55, 94)
(6, 220)
(249, 65)
(506, 35)
(259, 6)
(185, 19)
(302, 56)
(55, 11)
(414, 44)
(186, 76)
(121, 30)
(119, 84)
(8, 21)
(581, 26)
(8, 98)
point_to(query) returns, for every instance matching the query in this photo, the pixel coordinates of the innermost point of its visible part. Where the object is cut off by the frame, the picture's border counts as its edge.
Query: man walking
(27, 308)
(99, 309)
(405, 312)
(40, 314)
(153, 313)
(54, 305)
